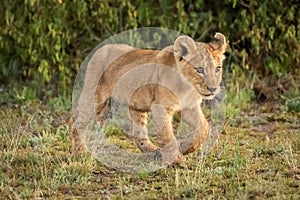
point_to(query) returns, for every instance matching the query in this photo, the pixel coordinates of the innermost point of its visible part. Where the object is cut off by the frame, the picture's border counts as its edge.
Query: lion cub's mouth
(208, 95)
(205, 93)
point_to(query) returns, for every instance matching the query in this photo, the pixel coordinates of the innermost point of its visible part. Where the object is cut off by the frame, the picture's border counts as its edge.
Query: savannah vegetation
(43, 43)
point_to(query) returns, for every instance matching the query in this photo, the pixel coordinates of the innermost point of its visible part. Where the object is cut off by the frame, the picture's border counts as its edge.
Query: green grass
(257, 158)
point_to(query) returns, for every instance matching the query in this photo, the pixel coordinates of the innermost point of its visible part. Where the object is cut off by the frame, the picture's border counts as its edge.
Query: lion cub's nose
(211, 89)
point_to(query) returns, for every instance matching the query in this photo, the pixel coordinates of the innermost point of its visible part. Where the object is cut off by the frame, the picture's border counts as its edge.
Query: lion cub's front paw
(169, 154)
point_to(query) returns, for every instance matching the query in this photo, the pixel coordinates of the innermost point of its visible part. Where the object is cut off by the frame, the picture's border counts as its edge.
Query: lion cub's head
(201, 63)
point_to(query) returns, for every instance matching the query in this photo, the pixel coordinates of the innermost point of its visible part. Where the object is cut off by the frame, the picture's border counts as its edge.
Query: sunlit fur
(183, 57)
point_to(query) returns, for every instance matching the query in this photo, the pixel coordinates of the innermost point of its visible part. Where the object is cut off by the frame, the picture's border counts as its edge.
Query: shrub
(46, 41)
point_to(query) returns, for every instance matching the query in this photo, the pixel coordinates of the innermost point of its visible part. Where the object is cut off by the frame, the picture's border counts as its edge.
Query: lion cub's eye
(200, 70)
(218, 69)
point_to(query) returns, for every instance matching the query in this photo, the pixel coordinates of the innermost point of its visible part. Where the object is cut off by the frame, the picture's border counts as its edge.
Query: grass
(257, 158)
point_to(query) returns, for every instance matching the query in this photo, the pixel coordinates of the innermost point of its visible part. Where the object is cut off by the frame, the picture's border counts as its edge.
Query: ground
(258, 157)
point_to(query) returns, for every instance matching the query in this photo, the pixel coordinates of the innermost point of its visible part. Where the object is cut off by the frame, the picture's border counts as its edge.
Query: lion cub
(160, 82)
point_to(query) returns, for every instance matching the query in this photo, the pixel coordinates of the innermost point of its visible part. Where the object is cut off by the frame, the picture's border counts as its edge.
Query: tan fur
(179, 68)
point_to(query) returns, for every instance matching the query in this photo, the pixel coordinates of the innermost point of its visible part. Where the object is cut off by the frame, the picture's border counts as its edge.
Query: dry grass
(258, 158)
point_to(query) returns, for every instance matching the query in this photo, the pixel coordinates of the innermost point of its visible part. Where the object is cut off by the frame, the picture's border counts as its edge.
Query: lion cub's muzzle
(210, 92)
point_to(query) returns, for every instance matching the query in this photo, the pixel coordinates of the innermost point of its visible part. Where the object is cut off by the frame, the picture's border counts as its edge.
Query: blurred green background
(43, 42)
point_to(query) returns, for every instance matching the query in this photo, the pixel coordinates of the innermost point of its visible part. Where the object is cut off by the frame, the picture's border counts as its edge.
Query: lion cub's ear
(219, 43)
(184, 45)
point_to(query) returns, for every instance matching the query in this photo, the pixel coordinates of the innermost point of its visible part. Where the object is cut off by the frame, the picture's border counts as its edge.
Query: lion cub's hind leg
(78, 146)
(139, 131)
